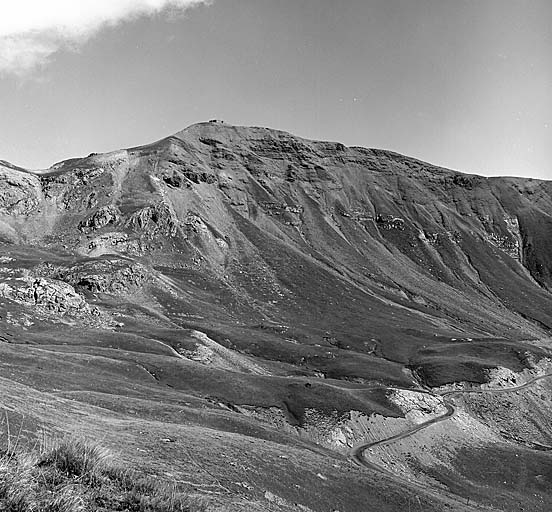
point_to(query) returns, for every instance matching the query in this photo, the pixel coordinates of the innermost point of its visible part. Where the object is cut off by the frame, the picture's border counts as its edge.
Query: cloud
(32, 31)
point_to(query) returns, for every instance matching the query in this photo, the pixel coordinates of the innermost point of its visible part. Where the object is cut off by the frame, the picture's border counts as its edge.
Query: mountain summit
(246, 270)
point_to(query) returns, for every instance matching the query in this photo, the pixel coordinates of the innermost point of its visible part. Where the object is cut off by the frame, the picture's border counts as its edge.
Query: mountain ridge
(224, 124)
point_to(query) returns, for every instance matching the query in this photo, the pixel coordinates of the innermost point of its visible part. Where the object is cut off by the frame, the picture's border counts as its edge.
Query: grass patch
(77, 476)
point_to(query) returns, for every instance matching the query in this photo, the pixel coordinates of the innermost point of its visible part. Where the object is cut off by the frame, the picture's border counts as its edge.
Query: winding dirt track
(357, 452)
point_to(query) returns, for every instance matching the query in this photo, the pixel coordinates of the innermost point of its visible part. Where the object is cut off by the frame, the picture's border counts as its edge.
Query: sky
(465, 84)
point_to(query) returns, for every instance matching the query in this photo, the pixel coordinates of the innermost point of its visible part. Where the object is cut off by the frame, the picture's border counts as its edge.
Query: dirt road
(357, 452)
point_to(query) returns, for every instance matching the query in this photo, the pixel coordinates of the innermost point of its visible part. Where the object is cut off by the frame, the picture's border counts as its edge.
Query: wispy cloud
(32, 31)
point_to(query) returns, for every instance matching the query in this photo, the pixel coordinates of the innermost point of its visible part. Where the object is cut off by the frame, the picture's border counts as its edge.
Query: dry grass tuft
(76, 476)
(76, 458)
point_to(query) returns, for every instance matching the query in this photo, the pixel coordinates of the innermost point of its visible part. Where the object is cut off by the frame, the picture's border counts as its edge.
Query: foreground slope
(231, 287)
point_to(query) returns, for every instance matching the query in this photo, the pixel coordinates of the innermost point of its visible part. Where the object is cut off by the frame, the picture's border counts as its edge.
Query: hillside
(229, 304)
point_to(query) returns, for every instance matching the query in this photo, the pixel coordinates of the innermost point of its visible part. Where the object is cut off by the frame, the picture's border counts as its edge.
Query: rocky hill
(252, 279)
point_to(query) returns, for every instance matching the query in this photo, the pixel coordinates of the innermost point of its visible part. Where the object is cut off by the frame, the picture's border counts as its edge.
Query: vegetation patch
(75, 476)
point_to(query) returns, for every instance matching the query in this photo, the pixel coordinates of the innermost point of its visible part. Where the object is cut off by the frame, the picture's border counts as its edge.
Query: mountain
(266, 302)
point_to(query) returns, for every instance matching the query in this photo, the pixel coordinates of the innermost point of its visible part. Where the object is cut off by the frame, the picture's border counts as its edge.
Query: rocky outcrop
(20, 192)
(113, 242)
(386, 221)
(110, 276)
(100, 219)
(48, 294)
(153, 220)
(184, 176)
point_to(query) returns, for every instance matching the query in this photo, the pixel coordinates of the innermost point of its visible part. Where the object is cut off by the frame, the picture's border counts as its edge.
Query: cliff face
(288, 244)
